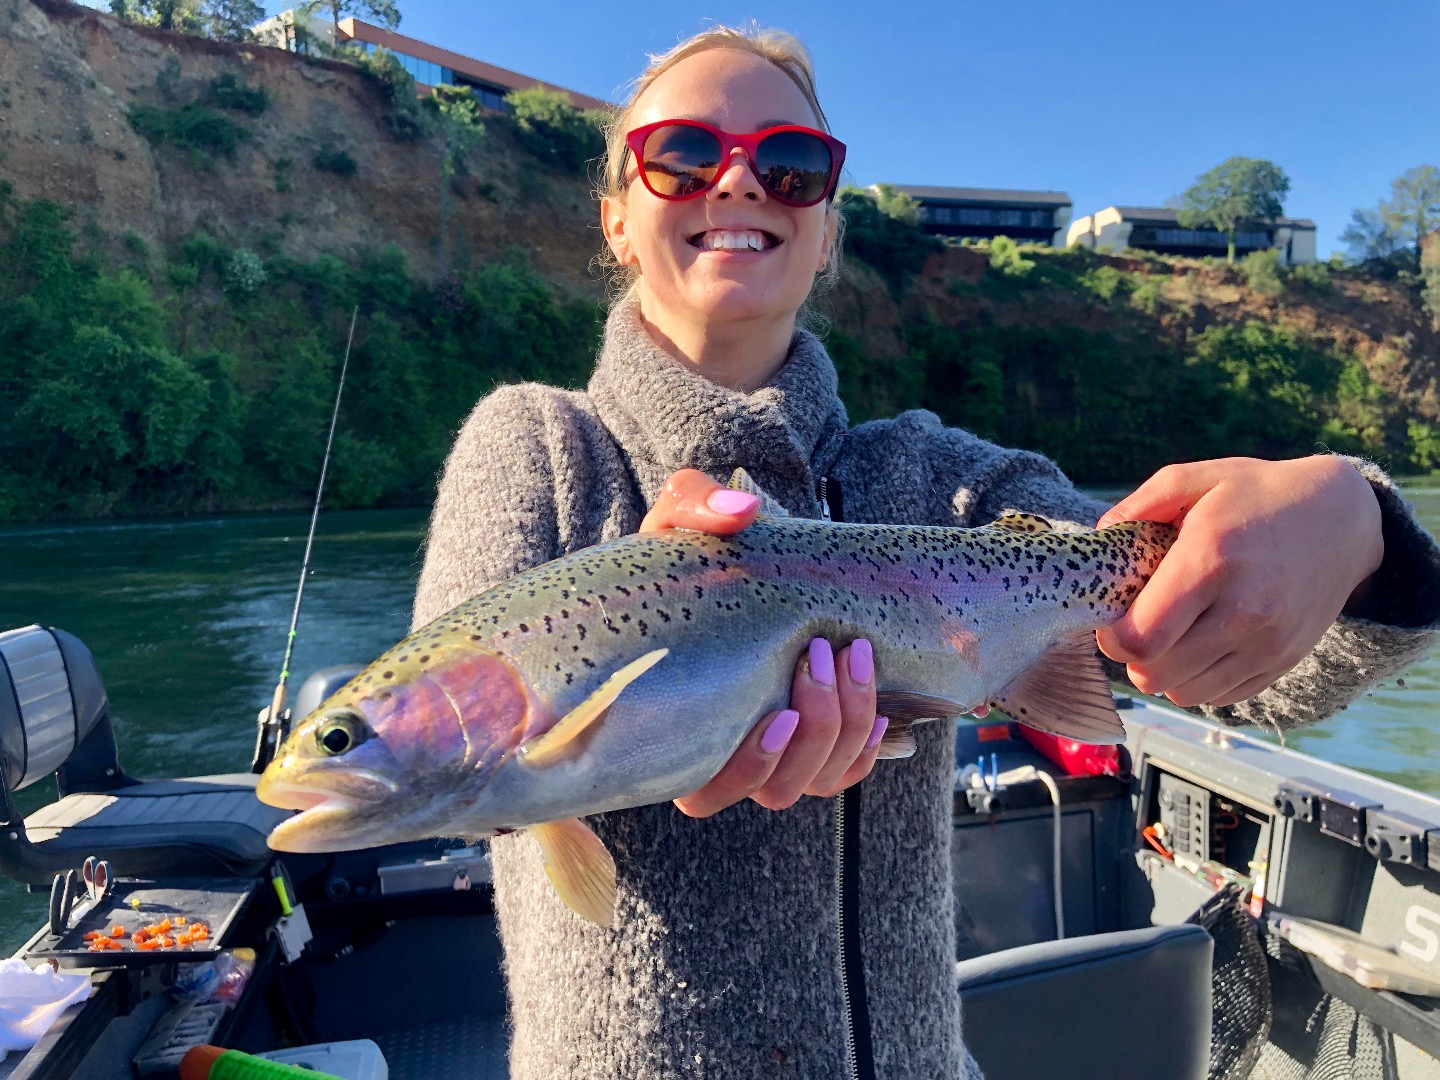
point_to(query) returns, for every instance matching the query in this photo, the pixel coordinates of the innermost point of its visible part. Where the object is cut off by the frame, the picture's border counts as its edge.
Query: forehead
(734, 90)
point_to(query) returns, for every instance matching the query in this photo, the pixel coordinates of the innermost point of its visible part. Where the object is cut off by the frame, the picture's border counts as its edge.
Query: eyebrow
(763, 124)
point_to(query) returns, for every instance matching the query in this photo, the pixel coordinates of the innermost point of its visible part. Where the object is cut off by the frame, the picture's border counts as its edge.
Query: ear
(827, 242)
(613, 223)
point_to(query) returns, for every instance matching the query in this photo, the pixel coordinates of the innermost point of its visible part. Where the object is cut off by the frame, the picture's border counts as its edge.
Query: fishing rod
(274, 721)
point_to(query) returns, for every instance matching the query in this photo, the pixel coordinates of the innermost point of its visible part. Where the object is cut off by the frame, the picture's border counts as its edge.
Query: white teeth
(728, 240)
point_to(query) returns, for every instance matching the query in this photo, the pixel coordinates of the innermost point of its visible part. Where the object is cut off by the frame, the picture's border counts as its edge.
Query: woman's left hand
(1268, 555)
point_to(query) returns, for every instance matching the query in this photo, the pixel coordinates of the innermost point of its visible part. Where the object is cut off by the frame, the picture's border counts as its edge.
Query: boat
(1204, 903)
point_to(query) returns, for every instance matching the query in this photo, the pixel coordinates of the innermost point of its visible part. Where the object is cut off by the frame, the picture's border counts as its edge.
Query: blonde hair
(779, 48)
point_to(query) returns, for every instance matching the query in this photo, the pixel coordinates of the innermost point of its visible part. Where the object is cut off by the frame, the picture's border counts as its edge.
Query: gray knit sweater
(723, 961)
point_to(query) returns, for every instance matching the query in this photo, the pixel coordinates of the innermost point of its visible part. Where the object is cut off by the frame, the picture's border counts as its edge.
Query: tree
(231, 20)
(1430, 275)
(1369, 236)
(1400, 222)
(186, 16)
(385, 12)
(1236, 191)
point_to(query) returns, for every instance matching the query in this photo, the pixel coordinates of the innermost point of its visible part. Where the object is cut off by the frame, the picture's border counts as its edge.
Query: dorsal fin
(741, 480)
(1029, 523)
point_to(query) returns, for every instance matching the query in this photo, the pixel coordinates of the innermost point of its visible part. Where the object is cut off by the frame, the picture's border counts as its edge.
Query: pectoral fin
(579, 867)
(903, 707)
(559, 741)
(1066, 693)
(898, 742)
(740, 480)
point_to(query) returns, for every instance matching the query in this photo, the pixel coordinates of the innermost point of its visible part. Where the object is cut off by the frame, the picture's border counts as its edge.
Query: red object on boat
(1077, 758)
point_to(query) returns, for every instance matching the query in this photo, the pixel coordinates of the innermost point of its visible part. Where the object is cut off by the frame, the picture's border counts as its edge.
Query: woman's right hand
(829, 736)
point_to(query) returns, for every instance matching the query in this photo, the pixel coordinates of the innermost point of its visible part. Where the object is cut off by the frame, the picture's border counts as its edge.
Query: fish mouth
(352, 790)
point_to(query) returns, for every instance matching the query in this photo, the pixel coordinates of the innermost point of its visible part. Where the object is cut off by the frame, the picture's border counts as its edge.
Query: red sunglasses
(682, 159)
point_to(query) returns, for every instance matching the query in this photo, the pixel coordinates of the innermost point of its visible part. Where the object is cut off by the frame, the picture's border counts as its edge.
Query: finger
(1248, 689)
(855, 683)
(864, 763)
(1214, 681)
(748, 768)
(1182, 589)
(1167, 495)
(813, 694)
(692, 500)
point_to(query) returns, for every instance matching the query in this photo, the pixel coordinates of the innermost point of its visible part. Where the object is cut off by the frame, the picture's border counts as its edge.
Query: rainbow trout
(629, 672)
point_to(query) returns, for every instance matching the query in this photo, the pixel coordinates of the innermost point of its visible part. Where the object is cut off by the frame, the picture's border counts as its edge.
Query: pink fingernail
(730, 501)
(862, 662)
(822, 662)
(777, 735)
(877, 732)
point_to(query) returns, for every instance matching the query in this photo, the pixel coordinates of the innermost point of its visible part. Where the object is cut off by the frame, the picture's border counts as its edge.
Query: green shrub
(1262, 272)
(1107, 282)
(1148, 294)
(202, 131)
(407, 119)
(228, 91)
(897, 205)
(245, 271)
(896, 249)
(333, 159)
(1424, 442)
(1312, 275)
(1006, 256)
(555, 131)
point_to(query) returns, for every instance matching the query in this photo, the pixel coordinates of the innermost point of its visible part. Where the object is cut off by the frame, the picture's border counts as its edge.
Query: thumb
(1166, 496)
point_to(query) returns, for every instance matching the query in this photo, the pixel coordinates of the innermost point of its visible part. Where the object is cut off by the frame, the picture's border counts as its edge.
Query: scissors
(98, 879)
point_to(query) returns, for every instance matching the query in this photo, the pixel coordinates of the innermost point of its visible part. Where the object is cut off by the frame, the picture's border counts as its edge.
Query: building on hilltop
(1158, 228)
(430, 65)
(1033, 217)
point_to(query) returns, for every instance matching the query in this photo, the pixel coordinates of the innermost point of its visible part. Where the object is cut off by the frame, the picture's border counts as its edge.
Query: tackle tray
(133, 904)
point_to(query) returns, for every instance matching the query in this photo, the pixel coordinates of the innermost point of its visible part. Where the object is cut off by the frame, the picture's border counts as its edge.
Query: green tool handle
(233, 1065)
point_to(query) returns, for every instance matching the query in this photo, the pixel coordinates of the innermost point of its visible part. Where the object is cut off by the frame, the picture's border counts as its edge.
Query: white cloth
(31, 999)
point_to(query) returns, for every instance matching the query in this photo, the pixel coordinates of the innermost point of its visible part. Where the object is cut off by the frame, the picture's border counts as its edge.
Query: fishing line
(273, 721)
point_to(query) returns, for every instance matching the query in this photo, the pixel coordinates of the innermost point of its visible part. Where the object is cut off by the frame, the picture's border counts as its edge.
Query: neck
(741, 356)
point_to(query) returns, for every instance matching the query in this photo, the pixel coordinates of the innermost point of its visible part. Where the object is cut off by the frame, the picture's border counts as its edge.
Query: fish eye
(341, 731)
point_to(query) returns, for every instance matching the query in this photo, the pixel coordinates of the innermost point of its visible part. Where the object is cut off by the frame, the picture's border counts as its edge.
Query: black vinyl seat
(1129, 1005)
(54, 718)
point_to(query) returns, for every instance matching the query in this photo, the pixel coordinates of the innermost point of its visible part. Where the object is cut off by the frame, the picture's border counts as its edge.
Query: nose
(738, 180)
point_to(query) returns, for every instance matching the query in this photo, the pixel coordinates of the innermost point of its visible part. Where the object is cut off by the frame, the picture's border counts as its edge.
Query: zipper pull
(824, 502)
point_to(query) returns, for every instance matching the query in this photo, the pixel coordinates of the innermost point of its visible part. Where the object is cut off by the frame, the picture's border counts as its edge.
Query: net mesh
(1240, 986)
(1334, 1042)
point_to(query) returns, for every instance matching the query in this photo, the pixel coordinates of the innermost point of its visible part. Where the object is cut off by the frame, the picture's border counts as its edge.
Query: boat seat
(200, 826)
(55, 719)
(1135, 1003)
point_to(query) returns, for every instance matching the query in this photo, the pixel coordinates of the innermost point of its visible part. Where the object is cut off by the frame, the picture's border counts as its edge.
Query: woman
(725, 959)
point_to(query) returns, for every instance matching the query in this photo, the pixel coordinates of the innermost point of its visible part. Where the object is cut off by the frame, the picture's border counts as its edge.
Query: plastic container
(357, 1059)
(1370, 965)
(1076, 758)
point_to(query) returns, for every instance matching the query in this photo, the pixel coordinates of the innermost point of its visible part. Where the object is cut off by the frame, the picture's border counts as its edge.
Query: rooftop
(1169, 215)
(985, 196)
(357, 30)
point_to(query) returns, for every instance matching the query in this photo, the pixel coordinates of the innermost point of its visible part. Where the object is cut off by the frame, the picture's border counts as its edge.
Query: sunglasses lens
(795, 166)
(680, 160)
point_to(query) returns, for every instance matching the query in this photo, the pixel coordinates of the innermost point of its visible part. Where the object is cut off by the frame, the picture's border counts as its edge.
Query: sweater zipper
(859, 1052)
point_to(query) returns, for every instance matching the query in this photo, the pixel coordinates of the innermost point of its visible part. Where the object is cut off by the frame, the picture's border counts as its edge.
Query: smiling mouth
(735, 240)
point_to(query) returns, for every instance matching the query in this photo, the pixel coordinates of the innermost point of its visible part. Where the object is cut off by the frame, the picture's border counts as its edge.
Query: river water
(187, 622)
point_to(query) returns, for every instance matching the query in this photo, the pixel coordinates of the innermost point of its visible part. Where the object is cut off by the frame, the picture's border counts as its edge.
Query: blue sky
(1115, 103)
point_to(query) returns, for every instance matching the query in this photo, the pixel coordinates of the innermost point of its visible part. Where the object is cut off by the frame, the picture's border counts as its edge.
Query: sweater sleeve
(1395, 627)
(494, 514)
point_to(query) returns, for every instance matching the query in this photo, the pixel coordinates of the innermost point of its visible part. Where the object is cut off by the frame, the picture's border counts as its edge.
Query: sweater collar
(667, 416)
